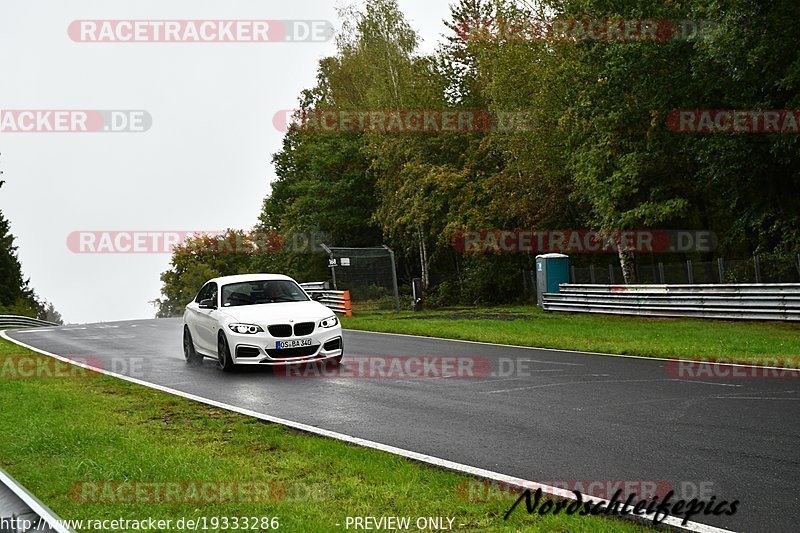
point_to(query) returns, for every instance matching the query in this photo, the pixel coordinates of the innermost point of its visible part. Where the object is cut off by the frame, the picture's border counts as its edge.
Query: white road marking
(571, 383)
(706, 383)
(637, 402)
(521, 483)
(478, 382)
(550, 362)
(754, 398)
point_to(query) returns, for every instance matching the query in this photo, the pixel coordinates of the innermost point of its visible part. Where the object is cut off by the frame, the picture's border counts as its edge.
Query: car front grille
(288, 353)
(280, 330)
(303, 328)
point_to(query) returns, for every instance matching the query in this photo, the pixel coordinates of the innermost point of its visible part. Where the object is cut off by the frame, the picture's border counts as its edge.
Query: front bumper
(260, 348)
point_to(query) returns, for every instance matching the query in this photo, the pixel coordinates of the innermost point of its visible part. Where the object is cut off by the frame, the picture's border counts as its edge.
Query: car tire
(189, 353)
(224, 361)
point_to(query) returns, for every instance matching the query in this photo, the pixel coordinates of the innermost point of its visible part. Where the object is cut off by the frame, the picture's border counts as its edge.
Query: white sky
(204, 163)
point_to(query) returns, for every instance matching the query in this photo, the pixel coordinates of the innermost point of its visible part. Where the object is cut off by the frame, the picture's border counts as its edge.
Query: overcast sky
(204, 164)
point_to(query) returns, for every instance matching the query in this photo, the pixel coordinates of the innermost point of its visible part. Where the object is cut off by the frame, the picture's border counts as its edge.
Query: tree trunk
(627, 265)
(423, 257)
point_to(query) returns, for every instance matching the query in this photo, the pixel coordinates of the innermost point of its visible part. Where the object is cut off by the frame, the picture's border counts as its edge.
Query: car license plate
(297, 343)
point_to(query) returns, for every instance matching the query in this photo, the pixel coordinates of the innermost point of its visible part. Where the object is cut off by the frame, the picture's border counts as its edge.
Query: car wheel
(189, 353)
(224, 360)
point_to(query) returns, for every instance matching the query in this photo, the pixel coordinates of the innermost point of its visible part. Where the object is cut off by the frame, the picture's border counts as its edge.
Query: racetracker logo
(192, 242)
(584, 241)
(484, 490)
(200, 31)
(734, 121)
(194, 492)
(393, 367)
(771, 369)
(74, 121)
(24, 367)
(28, 367)
(598, 30)
(403, 121)
(481, 490)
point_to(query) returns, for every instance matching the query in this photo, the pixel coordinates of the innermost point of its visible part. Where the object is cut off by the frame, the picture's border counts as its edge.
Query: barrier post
(757, 265)
(348, 308)
(394, 280)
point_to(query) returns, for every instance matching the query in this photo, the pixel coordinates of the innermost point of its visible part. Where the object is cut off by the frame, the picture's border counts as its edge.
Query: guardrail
(17, 502)
(315, 286)
(337, 301)
(13, 321)
(780, 301)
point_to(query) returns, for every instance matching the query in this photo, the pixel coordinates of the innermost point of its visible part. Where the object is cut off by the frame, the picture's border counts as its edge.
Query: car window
(262, 292)
(208, 291)
(201, 295)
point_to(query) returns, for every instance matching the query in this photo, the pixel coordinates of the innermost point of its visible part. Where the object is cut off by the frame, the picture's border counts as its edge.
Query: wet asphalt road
(541, 415)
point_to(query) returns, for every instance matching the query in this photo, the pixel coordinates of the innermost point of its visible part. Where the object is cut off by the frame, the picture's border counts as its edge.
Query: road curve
(562, 416)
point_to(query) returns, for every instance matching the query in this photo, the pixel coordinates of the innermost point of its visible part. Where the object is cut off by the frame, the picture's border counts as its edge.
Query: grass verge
(73, 440)
(682, 338)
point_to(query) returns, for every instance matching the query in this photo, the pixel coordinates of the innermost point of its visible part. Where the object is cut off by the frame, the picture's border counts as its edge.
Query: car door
(194, 318)
(191, 313)
(206, 320)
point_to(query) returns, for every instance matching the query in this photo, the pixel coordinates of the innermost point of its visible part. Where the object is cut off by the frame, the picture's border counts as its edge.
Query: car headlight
(329, 322)
(251, 329)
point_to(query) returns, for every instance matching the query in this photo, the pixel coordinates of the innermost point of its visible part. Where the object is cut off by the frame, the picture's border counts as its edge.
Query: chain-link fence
(368, 273)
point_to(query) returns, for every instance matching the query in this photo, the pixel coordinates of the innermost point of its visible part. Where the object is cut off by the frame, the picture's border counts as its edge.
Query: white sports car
(259, 319)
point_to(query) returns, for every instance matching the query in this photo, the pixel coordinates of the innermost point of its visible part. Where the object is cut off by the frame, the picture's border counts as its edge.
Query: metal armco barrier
(337, 301)
(13, 321)
(17, 502)
(759, 301)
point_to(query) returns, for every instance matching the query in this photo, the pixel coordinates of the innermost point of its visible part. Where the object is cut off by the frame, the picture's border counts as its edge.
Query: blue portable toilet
(551, 271)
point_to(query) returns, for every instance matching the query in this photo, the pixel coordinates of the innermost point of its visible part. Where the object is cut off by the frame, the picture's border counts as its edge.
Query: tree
(16, 295)
(588, 147)
(198, 259)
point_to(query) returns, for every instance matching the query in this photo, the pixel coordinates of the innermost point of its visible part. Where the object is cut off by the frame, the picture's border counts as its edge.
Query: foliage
(16, 295)
(197, 260)
(595, 151)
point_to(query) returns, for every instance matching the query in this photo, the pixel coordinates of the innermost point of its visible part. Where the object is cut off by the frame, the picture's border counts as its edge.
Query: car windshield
(262, 292)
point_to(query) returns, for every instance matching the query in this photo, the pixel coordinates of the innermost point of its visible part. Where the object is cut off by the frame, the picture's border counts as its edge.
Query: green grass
(57, 432)
(682, 338)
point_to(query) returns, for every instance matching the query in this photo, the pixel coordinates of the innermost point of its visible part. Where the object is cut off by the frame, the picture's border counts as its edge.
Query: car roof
(225, 280)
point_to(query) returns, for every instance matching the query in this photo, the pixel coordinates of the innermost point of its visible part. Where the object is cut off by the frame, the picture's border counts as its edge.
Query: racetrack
(566, 416)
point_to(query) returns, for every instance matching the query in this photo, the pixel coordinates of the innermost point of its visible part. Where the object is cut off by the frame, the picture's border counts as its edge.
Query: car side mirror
(207, 304)
(316, 296)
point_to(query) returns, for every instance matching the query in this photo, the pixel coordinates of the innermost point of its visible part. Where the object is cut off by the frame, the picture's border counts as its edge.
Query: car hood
(278, 313)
